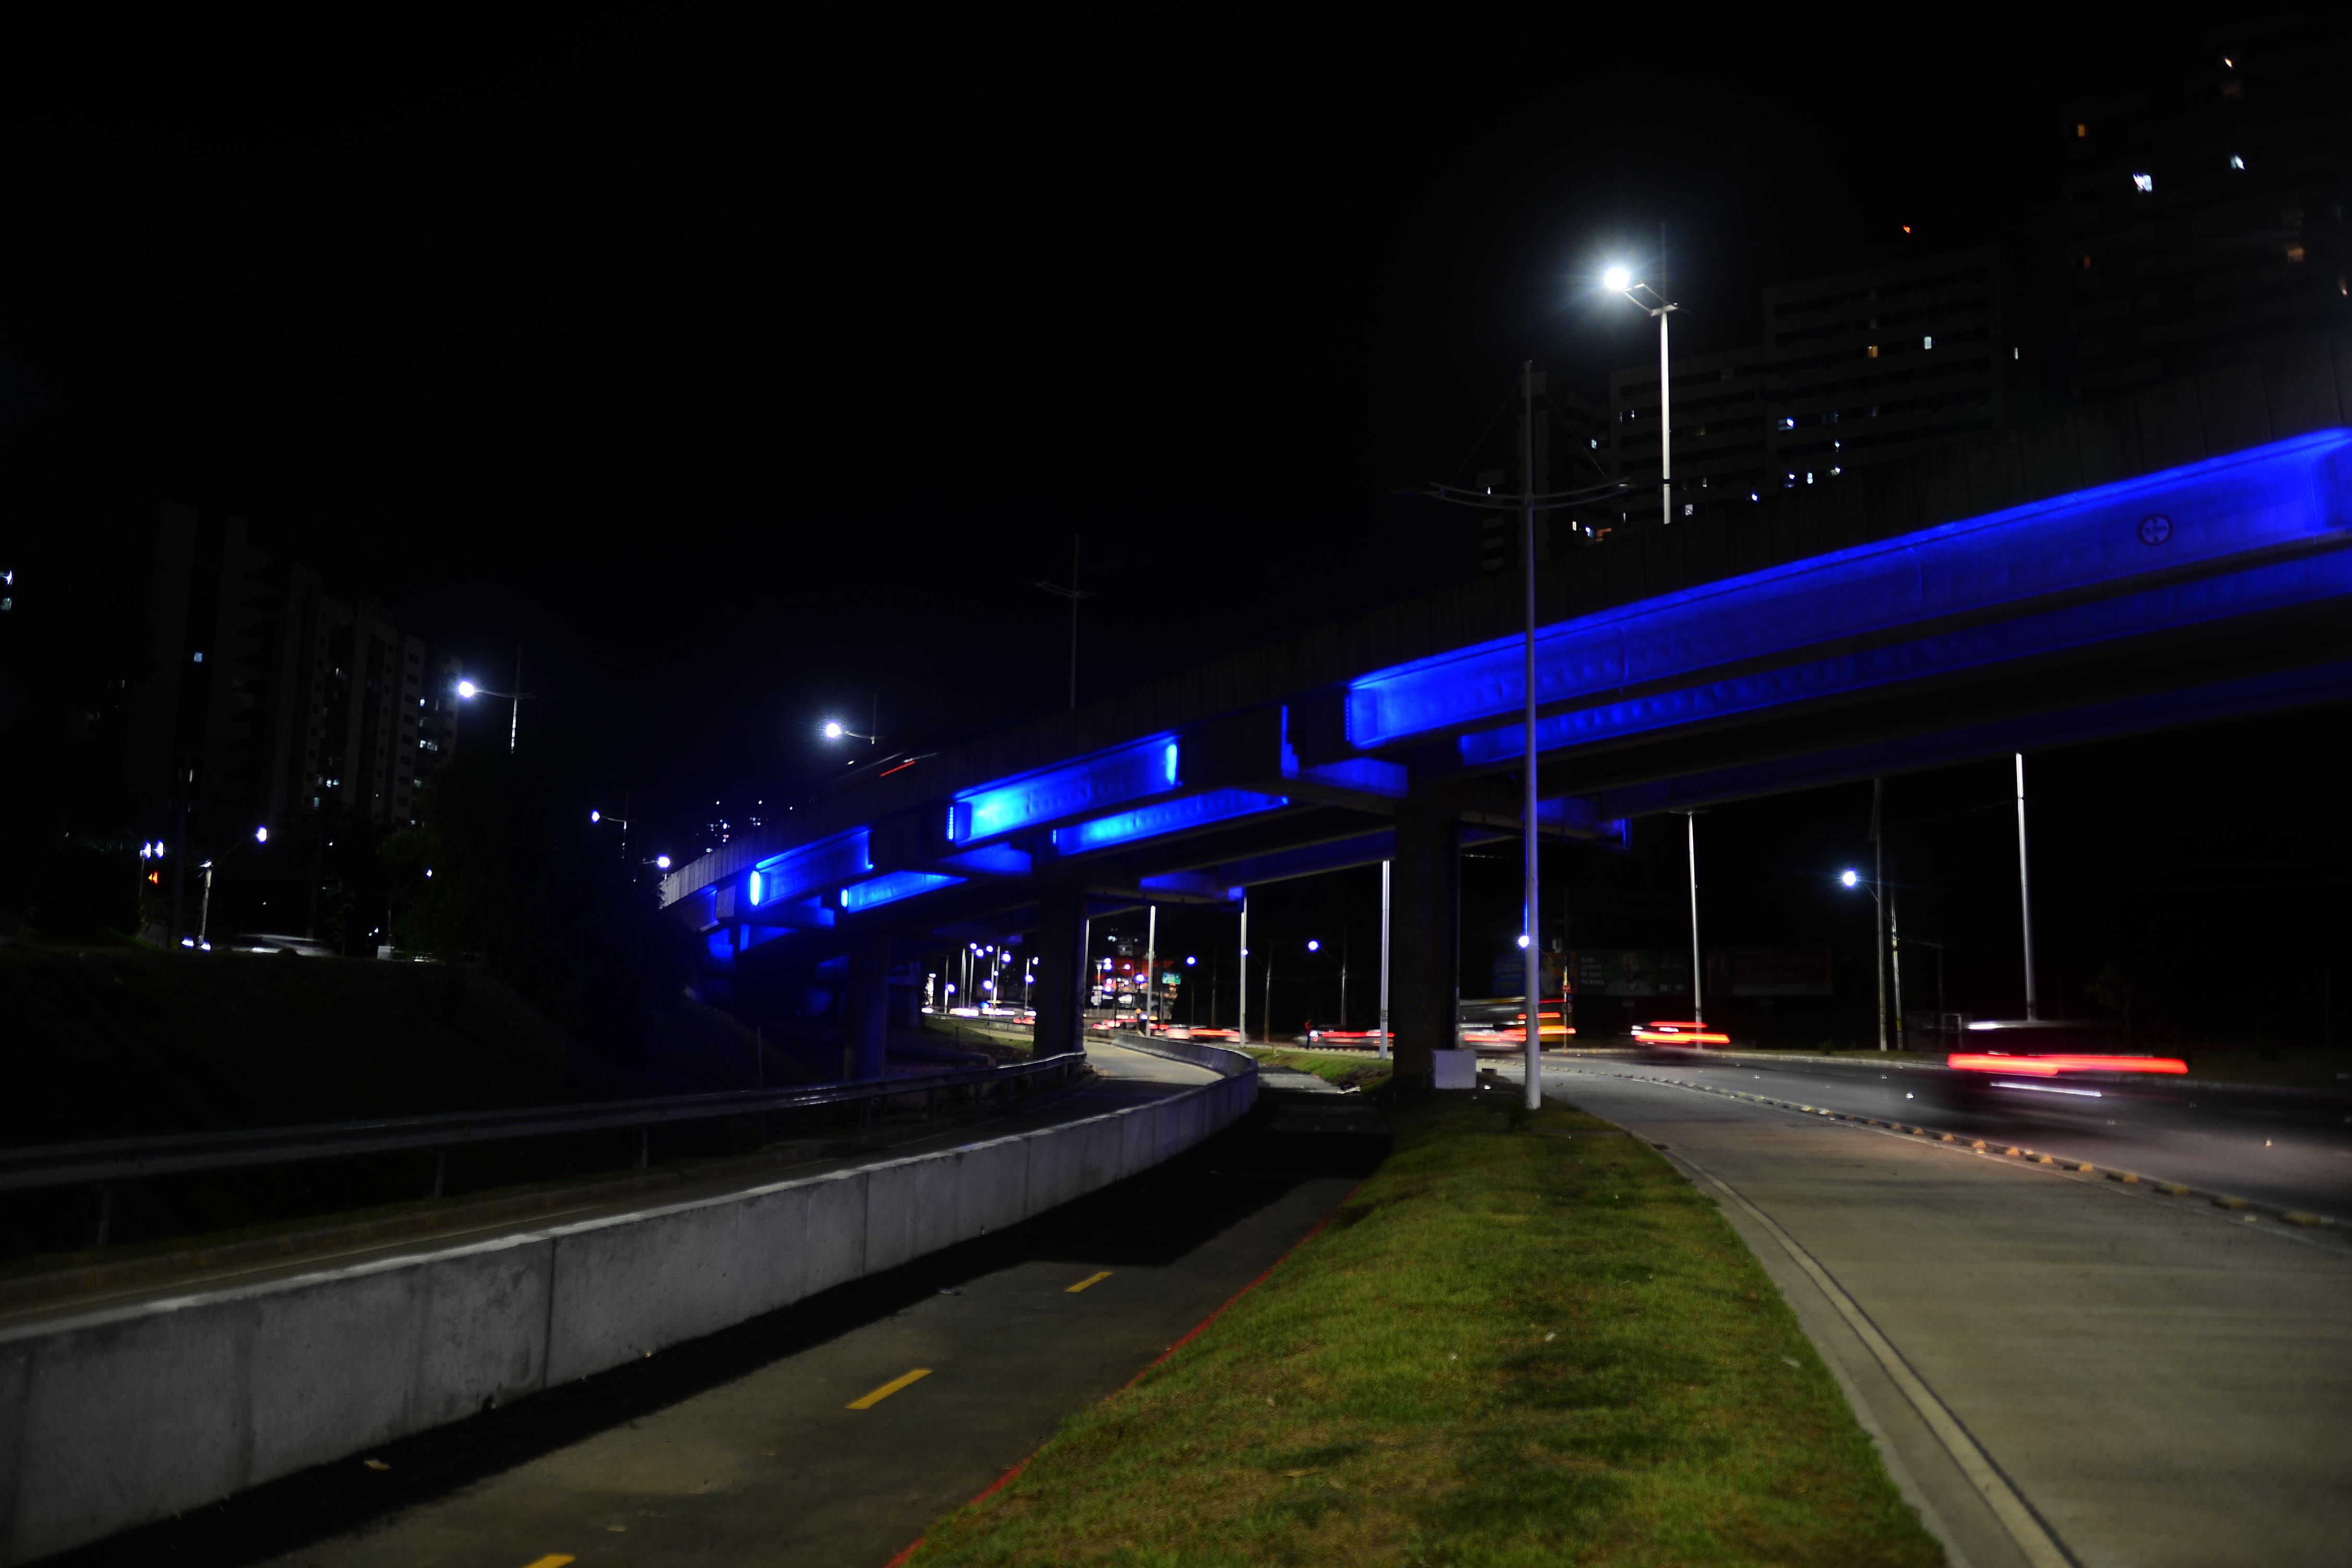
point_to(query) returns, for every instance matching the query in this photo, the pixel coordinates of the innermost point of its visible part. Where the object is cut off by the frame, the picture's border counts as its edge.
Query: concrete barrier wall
(114, 1418)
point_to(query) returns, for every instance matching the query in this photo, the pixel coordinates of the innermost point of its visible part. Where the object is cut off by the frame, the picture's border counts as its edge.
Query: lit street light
(261, 835)
(469, 691)
(1621, 280)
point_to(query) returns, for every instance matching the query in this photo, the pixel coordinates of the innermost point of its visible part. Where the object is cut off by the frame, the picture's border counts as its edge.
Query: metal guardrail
(33, 1166)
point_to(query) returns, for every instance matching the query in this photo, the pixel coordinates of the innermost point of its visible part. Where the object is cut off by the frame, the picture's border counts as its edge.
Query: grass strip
(1525, 1339)
(1348, 1071)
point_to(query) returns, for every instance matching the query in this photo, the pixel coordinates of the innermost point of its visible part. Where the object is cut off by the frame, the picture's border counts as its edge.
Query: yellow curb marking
(2033, 1541)
(2121, 1177)
(2086, 1167)
(886, 1390)
(553, 1560)
(2296, 1217)
(1089, 1279)
(2231, 1204)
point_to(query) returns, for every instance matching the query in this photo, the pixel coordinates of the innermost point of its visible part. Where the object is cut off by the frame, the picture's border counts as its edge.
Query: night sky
(739, 367)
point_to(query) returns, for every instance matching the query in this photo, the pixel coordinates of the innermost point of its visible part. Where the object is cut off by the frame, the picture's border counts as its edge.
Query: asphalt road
(2059, 1369)
(2275, 1146)
(834, 1432)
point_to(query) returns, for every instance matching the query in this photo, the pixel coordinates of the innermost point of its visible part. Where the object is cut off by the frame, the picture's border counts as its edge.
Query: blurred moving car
(1489, 1021)
(1686, 1032)
(2043, 1065)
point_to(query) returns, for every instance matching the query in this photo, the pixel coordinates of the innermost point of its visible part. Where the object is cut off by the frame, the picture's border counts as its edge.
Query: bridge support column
(1061, 971)
(1425, 931)
(868, 1009)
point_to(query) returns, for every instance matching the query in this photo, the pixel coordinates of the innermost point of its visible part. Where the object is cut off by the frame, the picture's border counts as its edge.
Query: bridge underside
(2205, 592)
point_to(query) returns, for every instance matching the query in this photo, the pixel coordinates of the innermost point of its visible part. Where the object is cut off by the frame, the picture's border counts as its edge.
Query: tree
(506, 870)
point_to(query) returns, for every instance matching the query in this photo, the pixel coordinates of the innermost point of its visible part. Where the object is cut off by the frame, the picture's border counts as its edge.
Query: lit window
(1872, 353)
(200, 655)
(2236, 162)
(1926, 342)
(1809, 476)
(1835, 472)
(2082, 130)
(2143, 181)
(2294, 253)
(2015, 353)
(2086, 263)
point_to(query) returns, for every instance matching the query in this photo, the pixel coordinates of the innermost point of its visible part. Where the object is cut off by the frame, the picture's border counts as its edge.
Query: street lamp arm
(1065, 593)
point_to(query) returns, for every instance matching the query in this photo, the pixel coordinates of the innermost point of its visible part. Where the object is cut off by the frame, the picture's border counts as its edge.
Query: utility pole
(1073, 593)
(1385, 867)
(1241, 1016)
(1895, 959)
(1698, 998)
(1878, 905)
(1666, 412)
(514, 707)
(2025, 892)
(1528, 922)
(1343, 976)
(1150, 966)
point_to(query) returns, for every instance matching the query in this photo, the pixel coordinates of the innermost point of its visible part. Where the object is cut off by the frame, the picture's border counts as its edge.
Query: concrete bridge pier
(1424, 934)
(1061, 995)
(867, 1004)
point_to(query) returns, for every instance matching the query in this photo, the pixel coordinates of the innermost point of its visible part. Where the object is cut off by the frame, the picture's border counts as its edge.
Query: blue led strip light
(811, 869)
(2280, 586)
(2287, 493)
(1163, 818)
(1131, 772)
(891, 888)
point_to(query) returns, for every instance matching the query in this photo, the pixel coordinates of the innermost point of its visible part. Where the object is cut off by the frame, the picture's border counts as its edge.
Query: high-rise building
(1853, 369)
(2208, 209)
(266, 699)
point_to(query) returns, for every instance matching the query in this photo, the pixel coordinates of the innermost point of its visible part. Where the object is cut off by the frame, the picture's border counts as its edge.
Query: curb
(2252, 1207)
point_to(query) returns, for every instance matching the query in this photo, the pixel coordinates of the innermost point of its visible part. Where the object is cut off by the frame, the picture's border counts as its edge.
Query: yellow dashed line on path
(883, 1393)
(1089, 1279)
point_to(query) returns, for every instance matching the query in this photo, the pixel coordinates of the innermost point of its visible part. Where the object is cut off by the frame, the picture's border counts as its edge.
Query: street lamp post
(1698, 997)
(1621, 280)
(1853, 878)
(468, 690)
(2025, 892)
(1241, 1012)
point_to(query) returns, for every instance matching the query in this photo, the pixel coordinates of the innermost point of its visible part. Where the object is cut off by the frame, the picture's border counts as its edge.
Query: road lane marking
(2033, 1538)
(553, 1560)
(1089, 1279)
(886, 1391)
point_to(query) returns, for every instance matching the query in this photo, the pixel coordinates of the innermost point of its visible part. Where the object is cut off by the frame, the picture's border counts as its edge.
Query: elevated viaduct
(2178, 556)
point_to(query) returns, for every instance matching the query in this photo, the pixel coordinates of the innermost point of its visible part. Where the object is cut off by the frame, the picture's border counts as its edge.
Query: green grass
(1511, 1346)
(1348, 1071)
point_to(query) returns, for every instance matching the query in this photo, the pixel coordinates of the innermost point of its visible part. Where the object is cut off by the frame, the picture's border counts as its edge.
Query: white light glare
(595, 816)
(1849, 878)
(1617, 279)
(2143, 181)
(1314, 946)
(832, 730)
(662, 862)
(261, 836)
(1523, 939)
(467, 688)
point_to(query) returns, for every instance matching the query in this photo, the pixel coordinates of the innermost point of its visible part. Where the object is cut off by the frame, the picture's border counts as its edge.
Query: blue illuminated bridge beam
(2217, 547)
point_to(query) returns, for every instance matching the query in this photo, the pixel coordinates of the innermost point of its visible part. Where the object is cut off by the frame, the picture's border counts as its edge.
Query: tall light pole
(1877, 880)
(1853, 878)
(468, 690)
(1241, 1016)
(1621, 280)
(1385, 867)
(1699, 997)
(1529, 922)
(1073, 593)
(2025, 892)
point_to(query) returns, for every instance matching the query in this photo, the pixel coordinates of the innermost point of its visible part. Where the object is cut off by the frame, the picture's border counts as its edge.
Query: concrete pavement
(2060, 1370)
